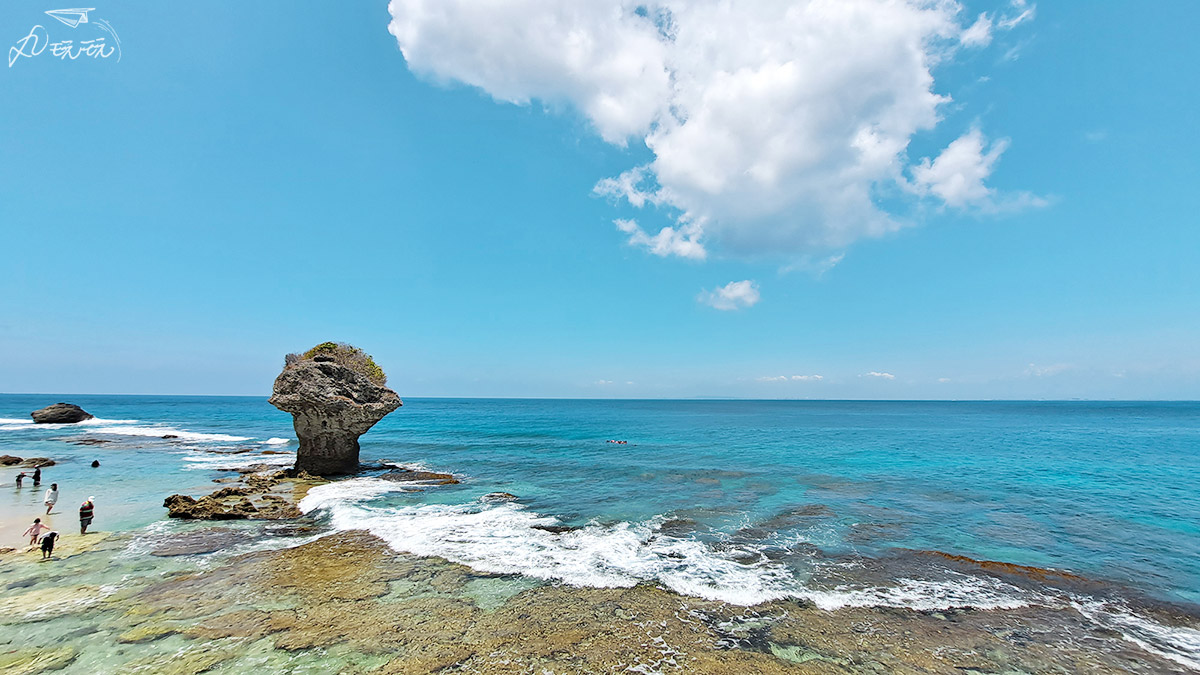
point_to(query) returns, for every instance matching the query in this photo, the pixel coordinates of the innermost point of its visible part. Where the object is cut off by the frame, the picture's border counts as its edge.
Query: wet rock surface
(497, 497)
(37, 462)
(255, 496)
(331, 406)
(203, 541)
(60, 413)
(89, 441)
(346, 603)
(31, 661)
(425, 615)
(402, 475)
(31, 463)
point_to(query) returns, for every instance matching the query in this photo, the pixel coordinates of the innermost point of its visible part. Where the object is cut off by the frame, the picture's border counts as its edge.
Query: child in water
(35, 531)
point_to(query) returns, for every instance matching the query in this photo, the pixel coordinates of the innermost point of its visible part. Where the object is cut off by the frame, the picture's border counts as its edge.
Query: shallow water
(740, 501)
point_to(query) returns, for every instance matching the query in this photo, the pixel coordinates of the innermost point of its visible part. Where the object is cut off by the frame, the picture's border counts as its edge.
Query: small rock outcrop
(209, 508)
(37, 462)
(403, 475)
(9, 460)
(60, 413)
(257, 496)
(335, 393)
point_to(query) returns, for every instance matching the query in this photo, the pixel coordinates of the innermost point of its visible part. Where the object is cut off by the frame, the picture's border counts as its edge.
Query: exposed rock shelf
(256, 497)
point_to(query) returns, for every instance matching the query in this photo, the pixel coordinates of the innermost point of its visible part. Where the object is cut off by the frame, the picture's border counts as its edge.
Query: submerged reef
(335, 393)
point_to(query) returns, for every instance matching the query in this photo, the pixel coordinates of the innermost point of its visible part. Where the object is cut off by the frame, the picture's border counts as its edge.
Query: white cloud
(599, 56)
(943, 380)
(668, 241)
(957, 175)
(733, 295)
(774, 125)
(1035, 370)
(1024, 12)
(816, 266)
(979, 34)
(603, 383)
(631, 186)
(884, 376)
(793, 378)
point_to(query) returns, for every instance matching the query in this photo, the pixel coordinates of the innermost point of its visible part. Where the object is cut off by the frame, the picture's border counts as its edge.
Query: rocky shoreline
(347, 601)
(314, 593)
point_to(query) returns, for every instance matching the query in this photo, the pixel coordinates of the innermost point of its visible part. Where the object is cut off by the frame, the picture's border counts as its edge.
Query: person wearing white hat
(87, 511)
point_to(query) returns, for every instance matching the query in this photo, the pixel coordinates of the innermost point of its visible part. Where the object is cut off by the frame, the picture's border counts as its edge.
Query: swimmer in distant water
(95, 463)
(35, 531)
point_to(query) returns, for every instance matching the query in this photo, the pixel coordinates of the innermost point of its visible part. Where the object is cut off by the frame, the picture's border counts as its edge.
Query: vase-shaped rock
(331, 406)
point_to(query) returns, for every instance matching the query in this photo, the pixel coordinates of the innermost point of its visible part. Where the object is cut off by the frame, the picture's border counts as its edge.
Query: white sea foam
(113, 427)
(923, 594)
(1179, 644)
(348, 492)
(198, 459)
(160, 431)
(155, 535)
(504, 539)
(11, 424)
(277, 441)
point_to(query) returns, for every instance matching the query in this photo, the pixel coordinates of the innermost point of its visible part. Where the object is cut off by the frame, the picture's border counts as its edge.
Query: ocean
(840, 503)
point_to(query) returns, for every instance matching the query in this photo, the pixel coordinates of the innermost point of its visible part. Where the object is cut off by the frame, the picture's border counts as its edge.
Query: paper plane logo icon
(71, 17)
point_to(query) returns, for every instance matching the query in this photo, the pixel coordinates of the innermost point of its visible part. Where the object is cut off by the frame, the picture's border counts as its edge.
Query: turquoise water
(738, 500)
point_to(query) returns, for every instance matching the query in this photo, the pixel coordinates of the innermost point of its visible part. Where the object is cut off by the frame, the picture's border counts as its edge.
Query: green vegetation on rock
(36, 660)
(345, 355)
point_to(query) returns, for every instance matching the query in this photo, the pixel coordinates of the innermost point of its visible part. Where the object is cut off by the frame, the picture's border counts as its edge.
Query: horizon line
(685, 398)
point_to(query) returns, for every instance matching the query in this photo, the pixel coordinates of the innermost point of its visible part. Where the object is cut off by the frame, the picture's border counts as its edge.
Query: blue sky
(249, 180)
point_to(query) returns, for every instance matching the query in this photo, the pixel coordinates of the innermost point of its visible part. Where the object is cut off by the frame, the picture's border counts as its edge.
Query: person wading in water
(86, 512)
(51, 497)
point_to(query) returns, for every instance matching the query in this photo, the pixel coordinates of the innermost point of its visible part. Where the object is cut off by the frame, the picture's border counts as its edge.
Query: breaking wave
(506, 539)
(160, 431)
